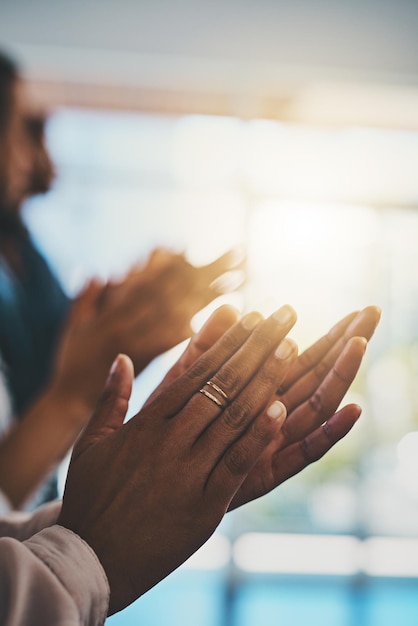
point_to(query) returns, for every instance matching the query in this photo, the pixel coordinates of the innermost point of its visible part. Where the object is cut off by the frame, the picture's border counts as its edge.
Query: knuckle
(231, 342)
(316, 402)
(327, 430)
(268, 375)
(263, 428)
(235, 460)
(313, 448)
(306, 360)
(237, 415)
(227, 379)
(306, 451)
(329, 338)
(200, 369)
(261, 339)
(340, 375)
(321, 370)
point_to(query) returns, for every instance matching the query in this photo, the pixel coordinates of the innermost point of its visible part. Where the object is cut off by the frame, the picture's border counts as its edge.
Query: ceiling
(328, 61)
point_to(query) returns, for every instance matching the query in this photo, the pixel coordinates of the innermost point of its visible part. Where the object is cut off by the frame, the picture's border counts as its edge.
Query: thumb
(112, 406)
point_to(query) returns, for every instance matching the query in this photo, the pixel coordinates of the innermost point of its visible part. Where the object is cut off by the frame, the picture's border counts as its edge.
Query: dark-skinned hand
(312, 391)
(147, 494)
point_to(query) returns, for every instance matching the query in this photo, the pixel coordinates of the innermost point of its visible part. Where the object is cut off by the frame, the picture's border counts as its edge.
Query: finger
(192, 288)
(133, 296)
(356, 324)
(232, 260)
(240, 458)
(93, 283)
(160, 257)
(243, 365)
(217, 325)
(310, 357)
(104, 297)
(231, 375)
(251, 339)
(223, 275)
(324, 401)
(219, 322)
(283, 464)
(182, 389)
(232, 423)
(362, 325)
(226, 283)
(296, 457)
(112, 406)
(85, 304)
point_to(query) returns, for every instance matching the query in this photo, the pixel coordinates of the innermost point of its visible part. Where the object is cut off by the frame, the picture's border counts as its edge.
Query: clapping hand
(312, 391)
(147, 494)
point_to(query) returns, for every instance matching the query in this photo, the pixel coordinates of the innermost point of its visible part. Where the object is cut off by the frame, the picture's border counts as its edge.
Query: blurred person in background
(145, 314)
(33, 306)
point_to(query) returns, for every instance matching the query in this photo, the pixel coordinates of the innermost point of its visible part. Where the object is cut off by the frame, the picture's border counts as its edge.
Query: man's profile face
(15, 149)
(42, 170)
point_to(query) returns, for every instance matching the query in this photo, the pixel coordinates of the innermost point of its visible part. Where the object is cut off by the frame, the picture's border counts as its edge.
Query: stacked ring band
(212, 397)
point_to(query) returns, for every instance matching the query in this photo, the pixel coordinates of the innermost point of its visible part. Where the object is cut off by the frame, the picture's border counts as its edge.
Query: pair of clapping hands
(144, 314)
(237, 415)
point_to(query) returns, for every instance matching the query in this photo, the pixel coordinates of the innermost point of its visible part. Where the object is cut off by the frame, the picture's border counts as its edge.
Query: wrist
(72, 410)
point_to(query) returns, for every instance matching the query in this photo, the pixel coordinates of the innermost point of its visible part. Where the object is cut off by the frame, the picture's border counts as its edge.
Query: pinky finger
(300, 454)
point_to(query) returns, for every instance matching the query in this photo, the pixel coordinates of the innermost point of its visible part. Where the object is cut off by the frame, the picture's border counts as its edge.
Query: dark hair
(9, 73)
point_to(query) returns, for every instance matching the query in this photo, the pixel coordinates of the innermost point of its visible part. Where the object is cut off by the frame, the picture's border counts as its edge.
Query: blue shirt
(33, 308)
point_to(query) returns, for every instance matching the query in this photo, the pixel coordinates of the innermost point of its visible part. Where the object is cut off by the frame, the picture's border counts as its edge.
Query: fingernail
(285, 349)
(114, 368)
(277, 410)
(251, 320)
(364, 342)
(284, 315)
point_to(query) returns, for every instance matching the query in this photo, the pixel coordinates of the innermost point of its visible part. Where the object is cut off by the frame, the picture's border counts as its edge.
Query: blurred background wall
(290, 128)
(286, 60)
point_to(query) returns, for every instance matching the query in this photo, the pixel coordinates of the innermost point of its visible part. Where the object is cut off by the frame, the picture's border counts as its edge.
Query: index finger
(231, 260)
